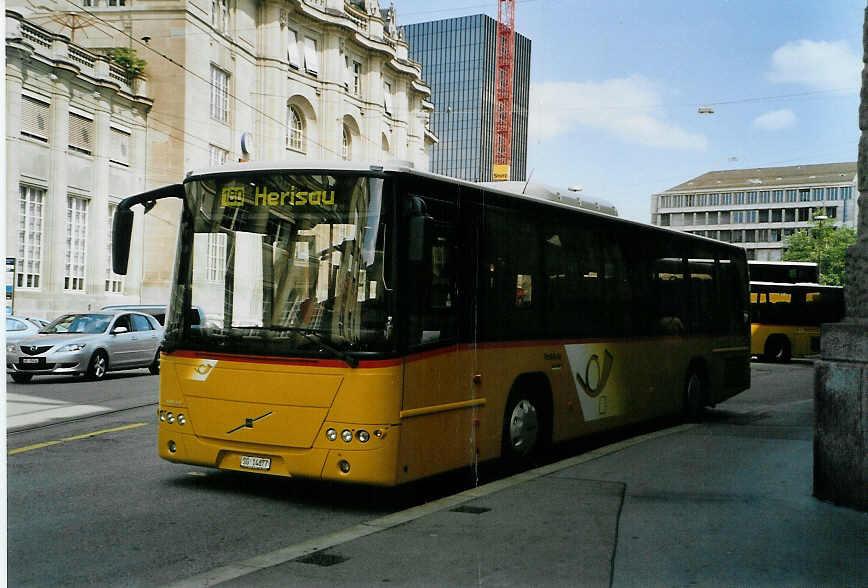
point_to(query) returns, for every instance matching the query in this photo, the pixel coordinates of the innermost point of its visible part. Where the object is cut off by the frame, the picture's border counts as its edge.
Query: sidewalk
(723, 503)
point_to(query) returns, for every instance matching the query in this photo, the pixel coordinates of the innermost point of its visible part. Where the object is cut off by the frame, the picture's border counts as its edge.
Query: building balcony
(57, 50)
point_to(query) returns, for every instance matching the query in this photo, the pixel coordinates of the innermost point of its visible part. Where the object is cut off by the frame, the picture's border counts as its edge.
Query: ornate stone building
(75, 145)
(263, 80)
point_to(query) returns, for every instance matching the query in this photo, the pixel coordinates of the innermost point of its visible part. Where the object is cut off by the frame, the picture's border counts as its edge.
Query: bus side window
(702, 294)
(433, 306)
(732, 279)
(512, 299)
(669, 293)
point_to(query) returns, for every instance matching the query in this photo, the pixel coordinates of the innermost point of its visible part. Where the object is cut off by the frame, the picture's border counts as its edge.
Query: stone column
(54, 207)
(331, 101)
(98, 209)
(841, 376)
(14, 85)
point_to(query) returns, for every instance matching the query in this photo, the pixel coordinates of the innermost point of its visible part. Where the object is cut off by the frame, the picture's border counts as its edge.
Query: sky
(616, 87)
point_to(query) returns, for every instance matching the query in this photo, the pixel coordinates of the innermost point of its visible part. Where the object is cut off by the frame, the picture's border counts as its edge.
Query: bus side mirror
(417, 229)
(122, 230)
(122, 224)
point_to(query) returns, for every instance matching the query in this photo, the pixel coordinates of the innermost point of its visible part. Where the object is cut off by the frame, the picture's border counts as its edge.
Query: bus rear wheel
(522, 426)
(778, 349)
(695, 395)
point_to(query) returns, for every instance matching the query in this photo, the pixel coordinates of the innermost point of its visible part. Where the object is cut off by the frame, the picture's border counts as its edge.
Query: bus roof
(795, 285)
(406, 167)
(784, 263)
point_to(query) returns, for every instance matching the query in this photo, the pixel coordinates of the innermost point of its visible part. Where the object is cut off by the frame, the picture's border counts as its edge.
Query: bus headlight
(331, 434)
(346, 435)
(170, 418)
(363, 436)
(182, 420)
(344, 465)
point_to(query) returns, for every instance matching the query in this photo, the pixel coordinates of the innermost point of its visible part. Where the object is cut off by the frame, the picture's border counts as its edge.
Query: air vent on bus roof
(569, 197)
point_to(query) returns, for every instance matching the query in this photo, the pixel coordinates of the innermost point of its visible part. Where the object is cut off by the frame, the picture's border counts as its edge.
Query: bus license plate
(255, 463)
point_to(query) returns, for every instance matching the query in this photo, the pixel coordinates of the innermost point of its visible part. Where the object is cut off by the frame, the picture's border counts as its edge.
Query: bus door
(437, 383)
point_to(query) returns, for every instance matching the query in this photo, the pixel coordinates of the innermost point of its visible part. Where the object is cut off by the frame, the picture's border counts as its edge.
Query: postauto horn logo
(596, 378)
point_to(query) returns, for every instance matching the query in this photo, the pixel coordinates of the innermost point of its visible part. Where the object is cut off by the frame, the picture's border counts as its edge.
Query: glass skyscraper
(458, 63)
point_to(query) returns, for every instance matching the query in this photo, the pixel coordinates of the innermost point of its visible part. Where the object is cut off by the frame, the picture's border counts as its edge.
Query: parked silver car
(19, 327)
(89, 344)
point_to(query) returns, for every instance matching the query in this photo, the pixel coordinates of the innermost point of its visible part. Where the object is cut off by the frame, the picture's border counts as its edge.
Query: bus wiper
(314, 336)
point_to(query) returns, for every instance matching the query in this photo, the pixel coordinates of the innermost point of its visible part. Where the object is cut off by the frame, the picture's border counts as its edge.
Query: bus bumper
(374, 466)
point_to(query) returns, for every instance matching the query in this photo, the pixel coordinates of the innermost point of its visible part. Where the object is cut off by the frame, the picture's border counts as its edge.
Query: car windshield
(283, 263)
(79, 323)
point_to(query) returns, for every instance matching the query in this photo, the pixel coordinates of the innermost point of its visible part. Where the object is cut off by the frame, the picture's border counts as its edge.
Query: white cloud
(822, 65)
(776, 120)
(625, 107)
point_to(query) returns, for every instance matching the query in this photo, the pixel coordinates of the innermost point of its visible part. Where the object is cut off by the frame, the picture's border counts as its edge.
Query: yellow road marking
(76, 438)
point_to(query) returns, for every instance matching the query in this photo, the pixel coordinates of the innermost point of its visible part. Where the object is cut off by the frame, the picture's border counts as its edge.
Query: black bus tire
(778, 349)
(522, 427)
(154, 368)
(695, 394)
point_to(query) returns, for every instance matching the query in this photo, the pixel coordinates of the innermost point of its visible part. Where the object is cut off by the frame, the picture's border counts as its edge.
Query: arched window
(294, 129)
(346, 147)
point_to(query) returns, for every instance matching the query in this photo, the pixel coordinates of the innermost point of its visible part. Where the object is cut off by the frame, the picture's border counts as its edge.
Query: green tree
(824, 244)
(128, 60)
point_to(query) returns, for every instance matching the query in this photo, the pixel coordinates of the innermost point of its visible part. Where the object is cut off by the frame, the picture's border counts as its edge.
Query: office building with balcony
(759, 208)
(458, 63)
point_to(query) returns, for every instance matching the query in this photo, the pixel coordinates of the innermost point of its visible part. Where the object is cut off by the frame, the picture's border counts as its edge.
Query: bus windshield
(283, 263)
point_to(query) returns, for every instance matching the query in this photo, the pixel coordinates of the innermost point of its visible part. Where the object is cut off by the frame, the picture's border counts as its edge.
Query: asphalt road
(89, 502)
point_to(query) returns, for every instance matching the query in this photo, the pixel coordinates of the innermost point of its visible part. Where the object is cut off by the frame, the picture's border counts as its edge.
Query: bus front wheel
(778, 349)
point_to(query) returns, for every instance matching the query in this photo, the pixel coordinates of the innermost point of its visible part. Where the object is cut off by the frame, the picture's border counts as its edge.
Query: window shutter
(80, 133)
(348, 73)
(311, 57)
(34, 118)
(387, 97)
(120, 152)
(292, 48)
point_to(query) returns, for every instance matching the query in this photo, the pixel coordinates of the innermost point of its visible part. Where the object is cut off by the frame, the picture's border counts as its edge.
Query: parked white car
(19, 327)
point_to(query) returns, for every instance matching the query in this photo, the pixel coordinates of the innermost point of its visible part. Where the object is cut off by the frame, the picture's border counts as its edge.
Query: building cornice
(57, 53)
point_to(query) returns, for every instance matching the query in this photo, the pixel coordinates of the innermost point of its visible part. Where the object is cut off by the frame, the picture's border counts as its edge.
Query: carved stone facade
(263, 80)
(75, 146)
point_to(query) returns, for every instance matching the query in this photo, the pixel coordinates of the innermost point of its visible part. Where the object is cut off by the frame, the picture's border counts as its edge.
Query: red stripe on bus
(273, 360)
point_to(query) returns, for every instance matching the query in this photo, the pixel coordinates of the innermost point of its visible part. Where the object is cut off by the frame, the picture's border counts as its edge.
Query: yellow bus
(785, 272)
(786, 318)
(377, 325)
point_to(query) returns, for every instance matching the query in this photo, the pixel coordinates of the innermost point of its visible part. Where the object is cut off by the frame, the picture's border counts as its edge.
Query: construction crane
(504, 69)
